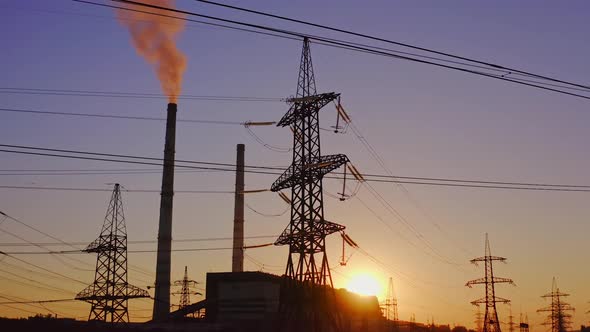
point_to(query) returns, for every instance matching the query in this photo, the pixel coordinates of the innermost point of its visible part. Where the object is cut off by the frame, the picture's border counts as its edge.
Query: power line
(38, 301)
(135, 157)
(112, 94)
(126, 190)
(488, 64)
(11, 298)
(133, 267)
(141, 251)
(36, 283)
(42, 268)
(279, 168)
(336, 43)
(126, 117)
(228, 167)
(12, 244)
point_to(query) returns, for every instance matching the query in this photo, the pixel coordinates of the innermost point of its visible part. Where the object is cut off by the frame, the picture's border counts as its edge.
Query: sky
(422, 121)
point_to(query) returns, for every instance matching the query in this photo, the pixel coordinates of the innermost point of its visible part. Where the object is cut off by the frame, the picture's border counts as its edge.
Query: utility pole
(558, 317)
(304, 303)
(110, 291)
(491, 322)
(185, 290)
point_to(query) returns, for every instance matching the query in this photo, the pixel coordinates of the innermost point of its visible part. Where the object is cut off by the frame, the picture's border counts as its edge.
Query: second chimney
(238, 248)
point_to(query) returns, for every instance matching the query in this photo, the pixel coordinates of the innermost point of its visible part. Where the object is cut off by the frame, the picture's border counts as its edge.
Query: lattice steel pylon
(391, 305)
(304, 299)
(558, 317)
(478, 320)
(511, 323)
(185, 290)
(524, 323)
(109, 292)
(491, 322)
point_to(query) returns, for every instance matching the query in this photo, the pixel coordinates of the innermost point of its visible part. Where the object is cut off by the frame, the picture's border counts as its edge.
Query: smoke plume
(154, 38)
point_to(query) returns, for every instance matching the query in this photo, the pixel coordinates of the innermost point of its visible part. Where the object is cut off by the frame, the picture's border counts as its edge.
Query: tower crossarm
(495, 280)
(552, 294)
(108, 242)
(134, 292)
(303, 107)
(89, 294)
(483, 259)
(494, 300)
(321, 230)
(189, 283)
(315, 169)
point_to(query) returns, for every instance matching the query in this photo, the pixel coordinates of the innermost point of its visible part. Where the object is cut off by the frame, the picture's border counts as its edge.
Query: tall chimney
(162, 295)
(238, 251)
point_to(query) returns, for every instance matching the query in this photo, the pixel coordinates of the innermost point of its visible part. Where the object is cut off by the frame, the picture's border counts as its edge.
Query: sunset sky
(421, 120)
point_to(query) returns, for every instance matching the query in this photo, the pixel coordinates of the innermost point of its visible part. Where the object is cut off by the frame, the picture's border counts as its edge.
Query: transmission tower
(307, 263)
(391, 304)
(558, 317)
(511, 321)
(110, 291)
(491, 322)
(478, 320)
(524, 324)
(185, 290)
(412, 322)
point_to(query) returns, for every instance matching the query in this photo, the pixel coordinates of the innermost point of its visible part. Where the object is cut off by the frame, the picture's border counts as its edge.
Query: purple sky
(423, 121)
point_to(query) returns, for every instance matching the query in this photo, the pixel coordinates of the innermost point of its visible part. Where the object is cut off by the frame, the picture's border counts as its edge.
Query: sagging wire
(257, 139)
(346, 118)
(284, 197)
(269, 215)
(343, 196)
(263, 266)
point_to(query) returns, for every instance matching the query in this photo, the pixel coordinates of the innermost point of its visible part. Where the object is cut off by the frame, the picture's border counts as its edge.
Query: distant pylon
(491, 322)
(412, 322)
(391, 305)
(524, 324)
(478, 320)
(110, 291)
(185, 290)
(511, 321)
(558, 317)
(304, 302)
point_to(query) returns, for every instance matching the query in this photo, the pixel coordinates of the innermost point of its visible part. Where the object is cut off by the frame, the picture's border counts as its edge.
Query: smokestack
(238, 251)
(162, 295)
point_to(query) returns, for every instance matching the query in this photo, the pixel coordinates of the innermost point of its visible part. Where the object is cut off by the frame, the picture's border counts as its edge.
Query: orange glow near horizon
(365, 284)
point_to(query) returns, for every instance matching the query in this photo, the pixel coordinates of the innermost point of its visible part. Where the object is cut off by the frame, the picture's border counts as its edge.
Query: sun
(364, 284)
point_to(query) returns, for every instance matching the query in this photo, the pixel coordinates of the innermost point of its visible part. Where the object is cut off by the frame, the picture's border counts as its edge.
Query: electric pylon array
(307, 263)
(391, 304)
(186, 291)
(558, 318)
(491, 322)
(110, 291)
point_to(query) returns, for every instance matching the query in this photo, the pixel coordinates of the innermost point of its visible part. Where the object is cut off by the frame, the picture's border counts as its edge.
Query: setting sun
(364, 284)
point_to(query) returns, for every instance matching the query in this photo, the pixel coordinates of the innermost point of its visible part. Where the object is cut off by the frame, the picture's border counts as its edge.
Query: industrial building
(249, 301)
